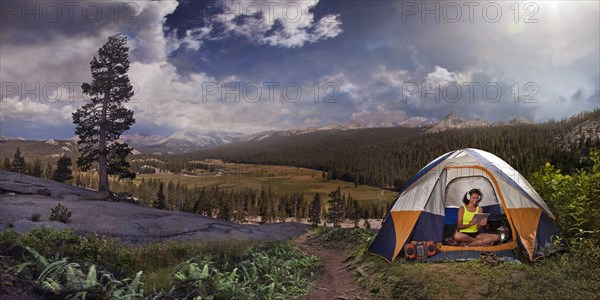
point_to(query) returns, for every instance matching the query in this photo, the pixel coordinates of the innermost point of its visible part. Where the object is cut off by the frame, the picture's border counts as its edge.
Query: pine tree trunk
(102, 159)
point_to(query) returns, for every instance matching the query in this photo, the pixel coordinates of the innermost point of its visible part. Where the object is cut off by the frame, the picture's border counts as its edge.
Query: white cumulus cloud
(287, 24)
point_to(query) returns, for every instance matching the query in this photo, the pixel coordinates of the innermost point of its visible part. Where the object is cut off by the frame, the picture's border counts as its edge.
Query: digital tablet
(480, 216)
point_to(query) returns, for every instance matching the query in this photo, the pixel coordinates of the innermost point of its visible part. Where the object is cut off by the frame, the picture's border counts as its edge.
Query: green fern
(20, 267)
(135, 285)
(127, 291)
(71, 278)
(90, 281)
(52, 270)
(38, 257)
(50, 284)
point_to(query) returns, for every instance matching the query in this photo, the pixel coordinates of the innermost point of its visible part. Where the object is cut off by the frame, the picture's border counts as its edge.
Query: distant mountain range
(189, 140)
(453, 121)
(291, 132)
(388, 157)
(182, 141)
(584, 131)
(10, 138)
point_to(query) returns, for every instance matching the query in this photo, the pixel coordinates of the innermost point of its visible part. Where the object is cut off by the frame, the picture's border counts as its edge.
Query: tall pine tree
(36, 168)
(101, 122)
(335, 207)
(18, 163)
(354, 211)
(63, 169)
(7, 165)
(160, 198)
(314, 212)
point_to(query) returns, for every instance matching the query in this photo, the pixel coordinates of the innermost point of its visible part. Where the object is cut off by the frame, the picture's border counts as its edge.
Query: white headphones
(479, 196)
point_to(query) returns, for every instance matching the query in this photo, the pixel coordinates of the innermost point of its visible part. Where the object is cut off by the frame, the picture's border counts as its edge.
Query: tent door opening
(456, 191)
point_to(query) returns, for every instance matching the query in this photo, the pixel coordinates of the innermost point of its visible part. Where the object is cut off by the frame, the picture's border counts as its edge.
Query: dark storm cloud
(369, 53)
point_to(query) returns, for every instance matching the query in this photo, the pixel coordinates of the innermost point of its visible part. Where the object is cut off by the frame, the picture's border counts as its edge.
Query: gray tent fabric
(421, 208)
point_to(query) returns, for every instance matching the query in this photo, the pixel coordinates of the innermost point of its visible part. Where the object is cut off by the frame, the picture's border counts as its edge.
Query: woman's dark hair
(468, 195)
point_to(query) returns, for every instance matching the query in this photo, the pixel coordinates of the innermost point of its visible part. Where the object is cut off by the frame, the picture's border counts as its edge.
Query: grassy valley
(243, 192)
(281, 179)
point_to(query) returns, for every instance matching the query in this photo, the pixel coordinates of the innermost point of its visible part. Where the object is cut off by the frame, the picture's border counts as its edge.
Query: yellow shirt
(467, 218)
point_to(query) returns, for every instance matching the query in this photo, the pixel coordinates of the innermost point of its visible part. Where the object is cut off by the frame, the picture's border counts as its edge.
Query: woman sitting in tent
(468, 229)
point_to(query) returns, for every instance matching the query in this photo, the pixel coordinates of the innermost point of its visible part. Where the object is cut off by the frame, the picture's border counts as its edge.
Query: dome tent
(427, 207)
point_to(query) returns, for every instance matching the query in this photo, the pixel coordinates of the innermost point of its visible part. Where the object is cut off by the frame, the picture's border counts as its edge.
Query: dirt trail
(337, 280)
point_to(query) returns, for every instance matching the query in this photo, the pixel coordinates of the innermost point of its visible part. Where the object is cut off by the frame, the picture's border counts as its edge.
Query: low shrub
(573, 198)
(8, 239)
(101, 251)
(35, 217)
(342, 238)
(60, 213)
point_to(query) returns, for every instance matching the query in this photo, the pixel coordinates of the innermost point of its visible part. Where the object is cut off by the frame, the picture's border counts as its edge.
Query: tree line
(59, 171)
(388, 157)
(264, 205)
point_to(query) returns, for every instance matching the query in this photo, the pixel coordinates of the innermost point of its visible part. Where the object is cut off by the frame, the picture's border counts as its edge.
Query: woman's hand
(483, 222)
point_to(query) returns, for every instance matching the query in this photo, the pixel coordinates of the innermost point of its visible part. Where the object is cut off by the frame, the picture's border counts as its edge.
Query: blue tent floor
(503, 255)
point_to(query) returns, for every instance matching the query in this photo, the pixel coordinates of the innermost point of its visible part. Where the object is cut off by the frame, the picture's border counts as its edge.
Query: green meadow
(281, 179)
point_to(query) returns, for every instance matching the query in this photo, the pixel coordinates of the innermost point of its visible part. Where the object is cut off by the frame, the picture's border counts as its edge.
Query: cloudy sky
(250, 66)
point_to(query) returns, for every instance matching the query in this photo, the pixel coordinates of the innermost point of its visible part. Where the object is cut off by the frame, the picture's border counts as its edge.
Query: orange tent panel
(526, 221)
(404, 222)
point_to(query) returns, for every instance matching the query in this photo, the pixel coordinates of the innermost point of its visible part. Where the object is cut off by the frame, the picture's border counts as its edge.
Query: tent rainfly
(427, 206)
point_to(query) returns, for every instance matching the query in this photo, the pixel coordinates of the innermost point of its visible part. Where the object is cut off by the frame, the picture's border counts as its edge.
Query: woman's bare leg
(485, 239)
(463, 238)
